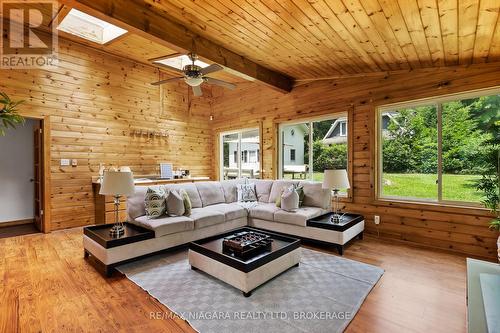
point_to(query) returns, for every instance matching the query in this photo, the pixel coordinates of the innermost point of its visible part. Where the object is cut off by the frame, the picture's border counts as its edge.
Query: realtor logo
(29, 36)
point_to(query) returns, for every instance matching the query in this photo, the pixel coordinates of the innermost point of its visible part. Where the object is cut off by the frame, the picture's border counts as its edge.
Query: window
(437, 149)
(343, 128)
(244, 147)
(90, 28)
(315, 146)
(178, 62)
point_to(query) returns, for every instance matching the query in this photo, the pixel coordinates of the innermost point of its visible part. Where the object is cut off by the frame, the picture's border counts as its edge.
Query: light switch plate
(65, 162)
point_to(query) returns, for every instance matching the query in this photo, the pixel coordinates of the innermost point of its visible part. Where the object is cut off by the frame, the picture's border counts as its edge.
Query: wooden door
(38, 175)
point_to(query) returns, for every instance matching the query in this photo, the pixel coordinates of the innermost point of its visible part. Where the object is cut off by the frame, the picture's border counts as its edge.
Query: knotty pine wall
(94, 100)
(458, 229)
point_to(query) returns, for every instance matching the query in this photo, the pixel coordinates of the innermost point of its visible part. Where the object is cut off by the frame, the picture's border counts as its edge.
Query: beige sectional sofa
(216, 210)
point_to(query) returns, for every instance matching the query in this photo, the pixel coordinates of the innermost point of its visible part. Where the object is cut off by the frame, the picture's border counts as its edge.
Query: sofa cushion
(278, 185)
(211, 193)
(230, 188)
(135, 202)
(165, 225)
(231, 211)
(263, 189)
(263, 211)
(206, 216)
(315, 195)
(298, 217)
(190, 189)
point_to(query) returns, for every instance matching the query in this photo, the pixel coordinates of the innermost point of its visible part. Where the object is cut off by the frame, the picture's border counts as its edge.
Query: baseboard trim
(18, 222)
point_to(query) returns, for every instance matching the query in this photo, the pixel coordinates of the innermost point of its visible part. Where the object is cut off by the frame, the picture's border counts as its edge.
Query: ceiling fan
(194, 76)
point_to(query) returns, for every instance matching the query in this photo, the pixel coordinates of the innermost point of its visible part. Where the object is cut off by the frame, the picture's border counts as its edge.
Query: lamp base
(117, 231)
(336, 218)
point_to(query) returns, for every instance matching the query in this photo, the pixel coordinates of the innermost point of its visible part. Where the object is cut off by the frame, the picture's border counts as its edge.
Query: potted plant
(8, 113)
(489, 184)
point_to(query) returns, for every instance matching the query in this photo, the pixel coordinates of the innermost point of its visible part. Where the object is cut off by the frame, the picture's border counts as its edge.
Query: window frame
(310, 120)
(437, 101)
(292, 156)
(344, 131)
(238, 151)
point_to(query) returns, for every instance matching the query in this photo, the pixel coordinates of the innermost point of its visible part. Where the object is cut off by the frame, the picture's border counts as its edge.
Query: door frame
(45, 163)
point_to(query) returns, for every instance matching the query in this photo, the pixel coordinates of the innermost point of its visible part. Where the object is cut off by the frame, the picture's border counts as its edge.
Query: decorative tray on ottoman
(246, 244)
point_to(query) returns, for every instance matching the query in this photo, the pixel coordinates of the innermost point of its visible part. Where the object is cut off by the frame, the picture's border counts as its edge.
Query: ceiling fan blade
(167, 81)
(197, 91)
(221, 83)
(212, 68)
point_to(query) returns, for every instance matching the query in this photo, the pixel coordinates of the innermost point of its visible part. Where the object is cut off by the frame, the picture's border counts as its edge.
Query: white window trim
(343, 132)
(437, 101)
(221, 149)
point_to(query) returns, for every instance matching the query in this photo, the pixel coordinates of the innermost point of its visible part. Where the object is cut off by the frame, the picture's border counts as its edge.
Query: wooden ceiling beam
(140, 17)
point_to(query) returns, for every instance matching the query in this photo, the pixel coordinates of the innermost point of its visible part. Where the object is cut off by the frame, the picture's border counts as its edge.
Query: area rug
(321, 295)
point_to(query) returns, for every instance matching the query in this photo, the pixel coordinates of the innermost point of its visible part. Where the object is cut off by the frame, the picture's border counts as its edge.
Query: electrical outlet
(65, 162)
(377, 219)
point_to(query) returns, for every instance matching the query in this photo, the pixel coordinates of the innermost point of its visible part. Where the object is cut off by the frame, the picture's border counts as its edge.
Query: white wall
(296, 142)
(16, 170)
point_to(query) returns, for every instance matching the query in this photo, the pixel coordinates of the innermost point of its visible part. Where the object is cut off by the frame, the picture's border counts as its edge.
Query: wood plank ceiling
(319, 38)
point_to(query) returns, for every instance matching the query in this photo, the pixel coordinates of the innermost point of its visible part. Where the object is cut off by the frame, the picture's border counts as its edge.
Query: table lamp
(117, 183)
(335, 180)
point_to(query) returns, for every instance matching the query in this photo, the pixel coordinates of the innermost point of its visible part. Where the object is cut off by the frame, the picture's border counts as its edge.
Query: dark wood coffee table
(246, 275)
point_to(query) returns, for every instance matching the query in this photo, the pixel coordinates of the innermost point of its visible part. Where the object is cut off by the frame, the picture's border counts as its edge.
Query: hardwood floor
(48, 287)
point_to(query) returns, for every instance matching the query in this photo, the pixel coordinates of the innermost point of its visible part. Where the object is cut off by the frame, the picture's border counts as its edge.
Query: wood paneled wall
(458, 229)
(94, 101)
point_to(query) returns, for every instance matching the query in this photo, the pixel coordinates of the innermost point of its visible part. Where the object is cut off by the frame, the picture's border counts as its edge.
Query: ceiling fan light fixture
(193, 81)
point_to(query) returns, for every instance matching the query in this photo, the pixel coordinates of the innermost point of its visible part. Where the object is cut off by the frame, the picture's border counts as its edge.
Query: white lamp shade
(117, 183)
(336, 179)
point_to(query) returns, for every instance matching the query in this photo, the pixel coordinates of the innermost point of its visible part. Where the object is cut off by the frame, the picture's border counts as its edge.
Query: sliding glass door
(240, 154)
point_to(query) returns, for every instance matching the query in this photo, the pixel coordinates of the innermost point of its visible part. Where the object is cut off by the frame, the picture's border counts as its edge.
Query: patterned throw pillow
(175, 204)
(187, 202)
(246, 192)
(155, 202)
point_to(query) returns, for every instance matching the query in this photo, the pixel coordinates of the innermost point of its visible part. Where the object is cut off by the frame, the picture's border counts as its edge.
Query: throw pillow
(278, 198)
(290, 200)
(154, 202)
(300, 192)
(246, 192)
(175, 204)
(187, 202)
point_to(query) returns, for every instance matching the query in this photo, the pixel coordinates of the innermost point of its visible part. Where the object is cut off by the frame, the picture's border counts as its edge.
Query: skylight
(88, 27)
(179, 62)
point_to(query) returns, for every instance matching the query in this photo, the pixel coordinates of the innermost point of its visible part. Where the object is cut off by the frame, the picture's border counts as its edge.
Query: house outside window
(343, 128)
(243, 147)
(315, 146)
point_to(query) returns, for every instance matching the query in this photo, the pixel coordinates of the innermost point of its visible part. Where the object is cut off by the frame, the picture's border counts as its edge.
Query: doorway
(22, 179)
